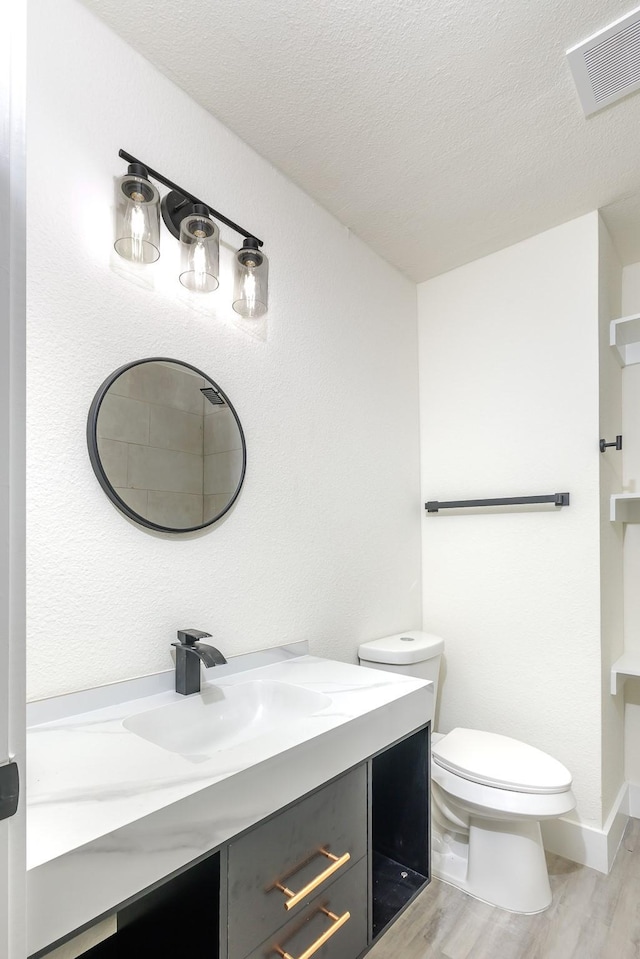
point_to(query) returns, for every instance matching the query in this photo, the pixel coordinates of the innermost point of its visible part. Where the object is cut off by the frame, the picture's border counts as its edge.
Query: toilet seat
(500, 763)
(491, 802)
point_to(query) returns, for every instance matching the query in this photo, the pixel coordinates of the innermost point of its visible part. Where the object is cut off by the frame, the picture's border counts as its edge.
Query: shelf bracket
(617, 444)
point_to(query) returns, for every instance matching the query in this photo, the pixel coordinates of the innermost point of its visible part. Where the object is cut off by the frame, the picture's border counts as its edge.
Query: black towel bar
(559, 499)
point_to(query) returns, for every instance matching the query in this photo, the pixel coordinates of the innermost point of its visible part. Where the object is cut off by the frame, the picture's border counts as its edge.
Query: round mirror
(166, 445)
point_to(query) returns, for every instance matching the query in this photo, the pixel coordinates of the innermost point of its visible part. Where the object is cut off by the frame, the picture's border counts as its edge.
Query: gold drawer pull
(295, 897)
(320, 941)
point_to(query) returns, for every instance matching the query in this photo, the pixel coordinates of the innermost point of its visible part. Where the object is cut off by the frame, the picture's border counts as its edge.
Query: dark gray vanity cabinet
(302, 875)
(333, 924)
(323, 877)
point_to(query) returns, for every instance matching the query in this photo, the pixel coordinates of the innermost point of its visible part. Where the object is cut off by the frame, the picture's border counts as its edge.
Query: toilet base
(501, 863)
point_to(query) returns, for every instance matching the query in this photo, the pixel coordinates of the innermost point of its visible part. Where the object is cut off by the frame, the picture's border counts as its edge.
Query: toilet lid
(402, 649)
(493, 760)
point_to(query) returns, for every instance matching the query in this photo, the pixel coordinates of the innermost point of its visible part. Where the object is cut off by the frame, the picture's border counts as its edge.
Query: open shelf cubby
(399, 827)
(624, 338)
(625, 508)
(627, 666)
(178, 917)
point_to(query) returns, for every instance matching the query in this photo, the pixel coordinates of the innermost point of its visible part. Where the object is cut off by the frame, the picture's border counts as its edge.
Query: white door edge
(12, 467)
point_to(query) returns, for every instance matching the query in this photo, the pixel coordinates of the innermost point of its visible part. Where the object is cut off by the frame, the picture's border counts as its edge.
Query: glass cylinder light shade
(200, 251)
(137, 217)
(251, 277)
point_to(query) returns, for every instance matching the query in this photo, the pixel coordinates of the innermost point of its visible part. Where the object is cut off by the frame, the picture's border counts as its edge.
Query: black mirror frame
(94, 455)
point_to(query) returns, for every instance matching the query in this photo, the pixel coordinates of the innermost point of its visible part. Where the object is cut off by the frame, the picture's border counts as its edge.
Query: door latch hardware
(9, 790)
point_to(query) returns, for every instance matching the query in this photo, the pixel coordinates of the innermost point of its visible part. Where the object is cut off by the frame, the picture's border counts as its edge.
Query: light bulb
(137, 229)
(250, 290)
(199, 264)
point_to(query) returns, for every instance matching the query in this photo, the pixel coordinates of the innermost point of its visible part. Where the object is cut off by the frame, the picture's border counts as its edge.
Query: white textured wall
(509, 405)
(324, 541)
(631, 465)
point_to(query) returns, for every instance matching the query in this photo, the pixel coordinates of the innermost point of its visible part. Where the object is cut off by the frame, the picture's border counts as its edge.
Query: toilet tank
(413, 653)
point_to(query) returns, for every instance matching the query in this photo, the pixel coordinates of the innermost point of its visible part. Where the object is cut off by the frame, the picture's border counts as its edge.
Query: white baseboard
(633, 800)
(590, 846)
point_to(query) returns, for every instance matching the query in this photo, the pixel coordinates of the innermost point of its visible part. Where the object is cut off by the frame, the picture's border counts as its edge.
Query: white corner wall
(631, 483)
(611, 534)
(509, 406)
(324, 541)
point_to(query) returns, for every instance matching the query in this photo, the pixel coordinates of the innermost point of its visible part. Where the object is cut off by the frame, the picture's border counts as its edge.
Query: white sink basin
(220, 717)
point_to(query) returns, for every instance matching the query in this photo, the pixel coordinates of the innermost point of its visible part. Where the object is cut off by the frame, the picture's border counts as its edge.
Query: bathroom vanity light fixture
(192, 222)
(137, 216)
(199, 251)
(250, 280)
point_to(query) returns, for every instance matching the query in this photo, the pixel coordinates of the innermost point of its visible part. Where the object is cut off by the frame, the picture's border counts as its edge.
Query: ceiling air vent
(606, 67)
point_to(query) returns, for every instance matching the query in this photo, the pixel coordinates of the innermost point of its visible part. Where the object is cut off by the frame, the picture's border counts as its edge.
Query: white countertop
(109, 813)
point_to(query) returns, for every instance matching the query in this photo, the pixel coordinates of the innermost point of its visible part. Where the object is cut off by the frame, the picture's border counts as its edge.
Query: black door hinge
(9, 790)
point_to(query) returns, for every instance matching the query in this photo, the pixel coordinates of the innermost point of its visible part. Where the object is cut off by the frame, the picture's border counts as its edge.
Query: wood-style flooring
(592, 916)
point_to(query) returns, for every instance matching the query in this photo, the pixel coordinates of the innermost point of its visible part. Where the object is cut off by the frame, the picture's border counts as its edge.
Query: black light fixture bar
(189, 196)
(558, 499)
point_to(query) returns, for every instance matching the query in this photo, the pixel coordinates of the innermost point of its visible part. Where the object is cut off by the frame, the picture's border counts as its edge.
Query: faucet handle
(188, 637)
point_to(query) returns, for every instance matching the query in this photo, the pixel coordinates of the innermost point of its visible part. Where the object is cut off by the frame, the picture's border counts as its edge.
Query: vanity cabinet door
(335, 921)
(306, 845)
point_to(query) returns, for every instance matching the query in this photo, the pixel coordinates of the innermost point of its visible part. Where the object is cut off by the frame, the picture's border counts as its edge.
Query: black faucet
(189, 654)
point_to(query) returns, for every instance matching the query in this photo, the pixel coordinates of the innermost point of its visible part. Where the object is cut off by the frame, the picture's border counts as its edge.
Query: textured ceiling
(437, 132)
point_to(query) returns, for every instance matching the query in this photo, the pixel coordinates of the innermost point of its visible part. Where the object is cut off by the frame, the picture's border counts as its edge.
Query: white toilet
(488, 794)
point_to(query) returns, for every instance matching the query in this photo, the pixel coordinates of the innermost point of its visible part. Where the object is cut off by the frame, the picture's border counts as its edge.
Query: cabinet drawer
(288, 850)
(344, 939)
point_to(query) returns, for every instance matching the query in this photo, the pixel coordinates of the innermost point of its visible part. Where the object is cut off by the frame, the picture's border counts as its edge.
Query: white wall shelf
(625, 508)
(624, 337)
(627, 665)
